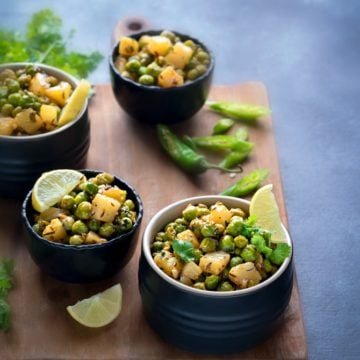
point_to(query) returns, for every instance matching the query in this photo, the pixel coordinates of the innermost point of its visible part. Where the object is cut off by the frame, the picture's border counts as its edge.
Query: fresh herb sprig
(44, 43)
(6, 270)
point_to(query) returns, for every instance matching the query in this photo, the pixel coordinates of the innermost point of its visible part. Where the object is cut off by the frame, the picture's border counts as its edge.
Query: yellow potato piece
(38, 84)
(49, 114)
(104, 208)
(179, 56)
(170, 78)
(7, 125)
(59, 93)
(29, 121)
(159, 45)
(128, 46)
(115, 193)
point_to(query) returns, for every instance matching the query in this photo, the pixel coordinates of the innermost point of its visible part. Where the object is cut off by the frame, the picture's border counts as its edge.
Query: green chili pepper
(239, 111)
(222, 142)
(233, 159)
(247, 184)
(222, 126)
(182, 154)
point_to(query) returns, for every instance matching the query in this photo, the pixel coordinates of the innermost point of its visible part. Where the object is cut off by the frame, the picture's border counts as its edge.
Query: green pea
(16, 111)
(197, 254)
(154, 69)
(225, 286)
(193, 63)
(14, 99)
(2, 102)
(104, 179)
(79, 227)
(12, 85)
(4, 92)
(182, 221)
(94, 225)
(208, 245)
(169, 34)
(36, 228)
(83, 210)
(76, 240)
(24, 80)
(146, 80)
(130, 204)
(202, 210)
(201, 69)
(90, 188)
(67, 202)
(209, 230)
(190, 44)
(25, 100)
(249, 253)
(192, 74)
(267, 265)
(179, 228)
(235, 226)
(161, 61)
(211, 282)
(240, 241)
(125, 224)
(106, 230)
(30, 69)
(133, 65)
(225, 274)
(142, 71)
(145, 59)
(202, 55)
(7, 109)
(68, 222)
(80, 197)
(227, 244)
(236, 260)
(36, 106)
(160, 236)
(190, 212)
(157, 246)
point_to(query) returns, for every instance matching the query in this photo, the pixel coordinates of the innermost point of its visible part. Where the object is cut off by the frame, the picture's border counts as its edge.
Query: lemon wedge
(75, 103)
(264, 207)
(98, 310)
(51, 186)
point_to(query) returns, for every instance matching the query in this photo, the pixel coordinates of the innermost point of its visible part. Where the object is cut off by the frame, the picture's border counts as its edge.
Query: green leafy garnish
(184, 250)
(6, 269)
(260, 244)
(280, 253)
(43, 42)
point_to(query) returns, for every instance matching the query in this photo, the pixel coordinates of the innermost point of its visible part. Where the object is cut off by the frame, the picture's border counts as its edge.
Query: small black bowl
(24, 158)
(152, 104)
(210, 322)
(83, 263)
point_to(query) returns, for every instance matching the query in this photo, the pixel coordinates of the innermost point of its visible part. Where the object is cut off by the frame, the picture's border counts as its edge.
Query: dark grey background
(307, 54)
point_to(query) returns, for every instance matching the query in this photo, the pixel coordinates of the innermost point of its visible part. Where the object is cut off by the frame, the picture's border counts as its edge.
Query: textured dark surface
(307, 54)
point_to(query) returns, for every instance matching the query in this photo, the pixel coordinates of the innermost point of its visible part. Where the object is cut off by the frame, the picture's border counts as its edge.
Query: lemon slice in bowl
(264, 207)
(98, 310)
(75, 103)
(51, 186)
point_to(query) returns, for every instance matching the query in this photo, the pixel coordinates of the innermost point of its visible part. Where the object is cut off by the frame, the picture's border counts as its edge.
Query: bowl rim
(207, 199)
(155, 87)
(87, 247)
(54, 71)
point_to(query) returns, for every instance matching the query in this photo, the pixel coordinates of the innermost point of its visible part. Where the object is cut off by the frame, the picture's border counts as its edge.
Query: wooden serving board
(41, 327)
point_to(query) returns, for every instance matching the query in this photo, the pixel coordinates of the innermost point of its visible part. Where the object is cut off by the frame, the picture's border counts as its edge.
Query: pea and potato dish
(163, 60)
(218, 249)
(93, 213)
(30, 101)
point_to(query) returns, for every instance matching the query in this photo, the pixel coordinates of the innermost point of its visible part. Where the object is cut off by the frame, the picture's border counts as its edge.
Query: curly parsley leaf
(280, 253)
(184, 250)
(44, 43)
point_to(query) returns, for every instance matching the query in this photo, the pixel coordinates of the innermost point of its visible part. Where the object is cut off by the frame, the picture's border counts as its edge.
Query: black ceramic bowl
(203, 321)
(152, 104)
(84, 263)
(24, 158)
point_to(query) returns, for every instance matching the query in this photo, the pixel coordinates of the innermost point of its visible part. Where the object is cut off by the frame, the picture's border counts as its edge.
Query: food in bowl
(35, 102)
(216, 248)
(93, 212)
(163, 60)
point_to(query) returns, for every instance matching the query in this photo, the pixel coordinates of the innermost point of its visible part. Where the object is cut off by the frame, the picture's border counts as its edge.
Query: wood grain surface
(41, 327)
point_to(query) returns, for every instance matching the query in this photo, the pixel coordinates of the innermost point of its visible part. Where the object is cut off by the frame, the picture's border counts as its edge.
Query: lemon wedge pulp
(98, 310)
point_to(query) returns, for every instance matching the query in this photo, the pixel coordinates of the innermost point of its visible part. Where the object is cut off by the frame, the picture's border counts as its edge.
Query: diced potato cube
(93, 238)
(243, 274)
(220, 214)
(191, 270)
(7, 125)
(167, 261)
(214, 262)
(179, 56)
(128, 46)
(115, 193)
(104, 208)
(188, 235)
(170, 78)
(38, 84)
(159, 45)
(59, 93)
(185, 280)
(49, 114)
(29, 121)
(55, 231)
